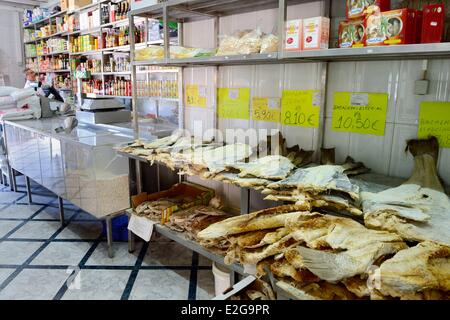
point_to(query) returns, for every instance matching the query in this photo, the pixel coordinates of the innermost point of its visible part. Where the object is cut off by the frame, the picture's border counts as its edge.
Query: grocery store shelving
(53, 53)
(56, 71)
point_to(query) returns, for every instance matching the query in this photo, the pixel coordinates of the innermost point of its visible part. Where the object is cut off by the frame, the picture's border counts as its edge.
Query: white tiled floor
(163, 271)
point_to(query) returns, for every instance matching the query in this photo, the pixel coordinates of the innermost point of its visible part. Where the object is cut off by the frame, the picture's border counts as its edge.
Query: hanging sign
(195, 96)
(434, 120)
(363, 112)
(234, 103)
(266, 109)
(300, 108)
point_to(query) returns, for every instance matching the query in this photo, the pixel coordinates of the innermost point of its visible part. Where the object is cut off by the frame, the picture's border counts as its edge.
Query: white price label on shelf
(250, 269)
(359, 99)
(233, 93)
(141, 226)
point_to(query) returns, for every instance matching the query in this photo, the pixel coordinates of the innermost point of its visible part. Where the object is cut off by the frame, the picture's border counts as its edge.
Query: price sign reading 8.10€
(300, 108)
(434, 120)
(363, 113)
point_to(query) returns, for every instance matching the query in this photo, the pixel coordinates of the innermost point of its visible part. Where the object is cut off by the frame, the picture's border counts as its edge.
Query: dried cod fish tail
(327, 156)
(425, 152)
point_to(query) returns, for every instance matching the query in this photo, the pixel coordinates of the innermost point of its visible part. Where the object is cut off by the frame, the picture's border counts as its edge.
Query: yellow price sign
(300, 108)
(362, 112)
(234, 103)
(266, 109)
(195, 96)
(434, 120)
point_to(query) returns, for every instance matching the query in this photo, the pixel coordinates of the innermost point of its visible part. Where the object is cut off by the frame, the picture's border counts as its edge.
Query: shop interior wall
(11, 61)
(384, 155)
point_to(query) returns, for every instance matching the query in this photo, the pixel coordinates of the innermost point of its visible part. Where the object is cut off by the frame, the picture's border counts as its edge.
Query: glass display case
(82, 167)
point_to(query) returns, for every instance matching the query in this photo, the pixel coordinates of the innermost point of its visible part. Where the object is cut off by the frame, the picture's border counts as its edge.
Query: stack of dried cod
(281, 176)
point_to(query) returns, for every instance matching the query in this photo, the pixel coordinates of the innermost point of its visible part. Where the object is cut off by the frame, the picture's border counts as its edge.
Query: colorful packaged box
(352, 34)
(357, 8)
(316, 33)
(433, 23)
(398, 26)
(294, 32)
(375, 29)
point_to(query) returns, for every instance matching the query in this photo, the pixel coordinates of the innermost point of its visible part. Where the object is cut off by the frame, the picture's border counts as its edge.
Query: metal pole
(166, 31)
(282, 14)
(27, 183)
(245, 200)
(134, 101)
(61, 210)
(109, 236)
(14, 180)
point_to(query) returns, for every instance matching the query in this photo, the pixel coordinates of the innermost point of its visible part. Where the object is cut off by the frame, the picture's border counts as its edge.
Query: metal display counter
(81, 167)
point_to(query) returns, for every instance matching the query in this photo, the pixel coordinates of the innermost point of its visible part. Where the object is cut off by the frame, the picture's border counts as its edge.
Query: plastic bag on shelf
(178, 52)
(229, 44)
(250, 42)
(151, 52)
(269, 43)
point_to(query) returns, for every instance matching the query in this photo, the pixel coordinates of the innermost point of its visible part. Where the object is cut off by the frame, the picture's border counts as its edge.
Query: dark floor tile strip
(132, 279)
(81, 265)
(22, 224)
(53, 240)
(192, 294)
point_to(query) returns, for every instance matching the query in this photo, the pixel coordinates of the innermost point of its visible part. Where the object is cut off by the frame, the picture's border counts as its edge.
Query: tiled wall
(385, 155)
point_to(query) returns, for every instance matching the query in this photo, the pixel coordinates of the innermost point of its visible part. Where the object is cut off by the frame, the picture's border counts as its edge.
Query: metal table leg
(14, 180)
(27, 183)
(131, 238)
(61, 210)
(11, 179)
(109, 236)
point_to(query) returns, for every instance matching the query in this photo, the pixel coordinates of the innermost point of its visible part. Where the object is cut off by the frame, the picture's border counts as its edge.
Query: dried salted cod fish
(264, 219)
(255, 183)
(417, 270)
(355, 248)
(270, 167)
(166, 141)
(318, 180)
(417, 210)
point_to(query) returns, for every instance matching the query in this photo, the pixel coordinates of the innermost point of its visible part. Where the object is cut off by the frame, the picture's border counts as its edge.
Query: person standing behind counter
(33, 82)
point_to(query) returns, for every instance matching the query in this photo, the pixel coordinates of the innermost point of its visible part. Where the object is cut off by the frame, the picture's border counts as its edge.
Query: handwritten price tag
(266, 109)
(363, 113)
(195, 96)
(234, 103)
(300, 108)
(141, 226)
(434, 120)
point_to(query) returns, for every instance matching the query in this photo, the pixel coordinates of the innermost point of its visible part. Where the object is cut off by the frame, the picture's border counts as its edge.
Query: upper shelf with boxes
(410, 29)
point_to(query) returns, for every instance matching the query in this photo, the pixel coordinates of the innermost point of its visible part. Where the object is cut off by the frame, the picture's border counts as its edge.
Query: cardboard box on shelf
(191, 193)
(433, 23)
(400, 26)
(64, 4)
(316, 33)
(294, 38)
(352, 34)
(357, 8)
(76, 4)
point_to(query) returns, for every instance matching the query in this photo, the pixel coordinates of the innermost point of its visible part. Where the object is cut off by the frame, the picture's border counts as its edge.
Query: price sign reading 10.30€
(363, 113)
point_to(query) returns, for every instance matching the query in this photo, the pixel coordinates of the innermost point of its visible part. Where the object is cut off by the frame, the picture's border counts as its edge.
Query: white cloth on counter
(21, 94)
(6, 101)
(6, 91)
(19, 104)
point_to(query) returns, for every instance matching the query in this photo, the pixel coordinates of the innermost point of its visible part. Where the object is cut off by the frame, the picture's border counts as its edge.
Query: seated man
(33, 82)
